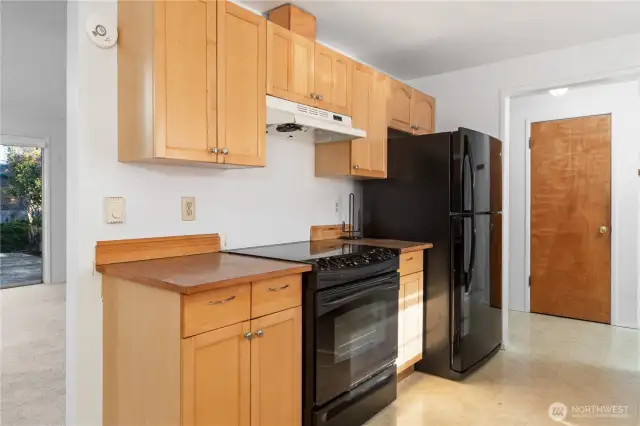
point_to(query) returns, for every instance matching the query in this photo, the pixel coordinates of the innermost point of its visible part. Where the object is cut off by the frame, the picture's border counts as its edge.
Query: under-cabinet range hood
(296, 121)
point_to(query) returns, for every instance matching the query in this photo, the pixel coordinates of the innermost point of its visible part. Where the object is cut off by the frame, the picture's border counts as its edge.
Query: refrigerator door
(476, 325)
(476, 180)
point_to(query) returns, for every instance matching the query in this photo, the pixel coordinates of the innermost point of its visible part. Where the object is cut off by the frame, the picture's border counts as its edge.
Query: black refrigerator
(446, 188)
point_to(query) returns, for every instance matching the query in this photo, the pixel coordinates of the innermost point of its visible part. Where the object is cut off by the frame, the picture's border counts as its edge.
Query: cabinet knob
(312, 95)
(259, 333)
(320, 97)
(224, 151)
(355, 166)
(248, 335)
(214, 150)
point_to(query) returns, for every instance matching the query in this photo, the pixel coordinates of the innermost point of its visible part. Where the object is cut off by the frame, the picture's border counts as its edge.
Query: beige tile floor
(550, 360)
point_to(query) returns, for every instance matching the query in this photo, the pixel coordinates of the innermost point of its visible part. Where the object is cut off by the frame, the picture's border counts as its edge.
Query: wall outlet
(337, 206)
(114, 209)
(188, 208)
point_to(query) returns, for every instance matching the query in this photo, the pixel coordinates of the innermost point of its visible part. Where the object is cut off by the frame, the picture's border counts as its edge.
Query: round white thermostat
(103, 33)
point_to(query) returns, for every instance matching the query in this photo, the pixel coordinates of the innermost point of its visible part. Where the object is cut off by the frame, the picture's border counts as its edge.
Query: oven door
(356, 333)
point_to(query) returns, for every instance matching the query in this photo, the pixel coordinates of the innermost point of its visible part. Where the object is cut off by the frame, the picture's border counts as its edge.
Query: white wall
(472, 97)
(33, 99)
(623, 102)
(247, 206)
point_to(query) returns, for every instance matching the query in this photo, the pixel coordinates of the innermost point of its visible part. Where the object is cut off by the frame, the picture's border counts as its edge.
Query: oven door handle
(354, 296)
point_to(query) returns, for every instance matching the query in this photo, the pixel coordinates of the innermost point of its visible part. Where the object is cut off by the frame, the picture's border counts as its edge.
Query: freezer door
(476, 173)
(476, 324)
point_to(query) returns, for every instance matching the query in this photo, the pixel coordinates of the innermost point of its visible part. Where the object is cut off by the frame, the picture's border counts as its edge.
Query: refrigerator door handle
(472, 257)
(473, 177)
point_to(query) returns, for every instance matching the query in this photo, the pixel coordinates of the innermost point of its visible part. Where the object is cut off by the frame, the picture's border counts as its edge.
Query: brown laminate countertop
(403, 246)
(202, 272)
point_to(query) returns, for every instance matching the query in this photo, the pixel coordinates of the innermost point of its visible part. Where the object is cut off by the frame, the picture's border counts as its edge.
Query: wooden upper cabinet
(410, 110)
(364, 157)
(241, 86)
(191, 82)
(276, 369)
(369, 107)
(166, 63)
(290, 65)
(216, 378)
(422, 113)
(333, 78)
(400, 101)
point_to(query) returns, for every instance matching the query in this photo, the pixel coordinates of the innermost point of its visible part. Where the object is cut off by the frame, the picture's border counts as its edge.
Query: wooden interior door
(182, 62)
(242, 111)
(216, 374)
(422, 113)
(290, 65)
(400, 106)
(276, 369)
(571, 218)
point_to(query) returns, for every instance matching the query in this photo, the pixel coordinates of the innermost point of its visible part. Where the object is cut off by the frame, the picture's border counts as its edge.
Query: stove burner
(355, 260)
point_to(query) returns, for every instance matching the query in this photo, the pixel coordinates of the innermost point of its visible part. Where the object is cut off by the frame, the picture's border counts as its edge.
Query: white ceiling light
(559, 91)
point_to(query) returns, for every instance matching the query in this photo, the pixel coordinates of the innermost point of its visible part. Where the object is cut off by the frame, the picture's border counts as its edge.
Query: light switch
(188, 208)
(114, 209)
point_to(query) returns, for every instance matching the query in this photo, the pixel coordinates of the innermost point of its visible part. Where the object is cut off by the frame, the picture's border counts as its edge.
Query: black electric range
(350, 328)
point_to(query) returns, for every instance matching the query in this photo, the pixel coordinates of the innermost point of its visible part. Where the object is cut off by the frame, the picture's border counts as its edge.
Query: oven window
(356, 334)
(360, 330)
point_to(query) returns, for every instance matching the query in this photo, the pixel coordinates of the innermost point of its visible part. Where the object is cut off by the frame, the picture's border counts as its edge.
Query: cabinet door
(333, 77)
(401, 309)
(400, 106)
(422, 113)
(182, 75)
(216, 375)
(363, 78)
(276, 368)
(377, 132)
(241, 86)
(290, 65)
(413, 317)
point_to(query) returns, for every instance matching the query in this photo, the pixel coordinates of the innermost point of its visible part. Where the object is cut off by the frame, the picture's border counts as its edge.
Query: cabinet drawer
(213, 309)
(410, 263)
(275, 295)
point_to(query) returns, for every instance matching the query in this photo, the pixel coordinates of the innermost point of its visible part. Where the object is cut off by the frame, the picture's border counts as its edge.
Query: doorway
(570, 217)
(23, 203)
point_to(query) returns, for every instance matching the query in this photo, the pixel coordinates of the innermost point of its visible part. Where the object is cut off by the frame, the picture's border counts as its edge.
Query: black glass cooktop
(306, 251)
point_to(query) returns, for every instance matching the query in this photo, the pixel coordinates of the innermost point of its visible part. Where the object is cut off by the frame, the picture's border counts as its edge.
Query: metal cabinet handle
(411, 258)
(259, 333)
(320, 97)
(248, 335)
(312, 95)
(355, 166)
(225, 151)
(214, 150)
(278, 288)
(218, 302)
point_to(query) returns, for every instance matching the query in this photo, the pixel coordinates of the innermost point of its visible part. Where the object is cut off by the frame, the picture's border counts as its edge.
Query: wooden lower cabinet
(276, 368)
(410, 317)
(216, 377)
(229, 379)
(246, 371)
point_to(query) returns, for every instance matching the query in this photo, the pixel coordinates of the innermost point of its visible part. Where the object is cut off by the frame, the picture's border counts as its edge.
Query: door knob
(603, 229)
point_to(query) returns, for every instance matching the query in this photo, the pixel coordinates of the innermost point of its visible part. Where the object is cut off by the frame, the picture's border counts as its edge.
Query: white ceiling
(410, 39)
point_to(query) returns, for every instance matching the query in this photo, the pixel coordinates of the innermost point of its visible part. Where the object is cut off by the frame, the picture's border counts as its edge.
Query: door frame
(613, 226)
(43, 143)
